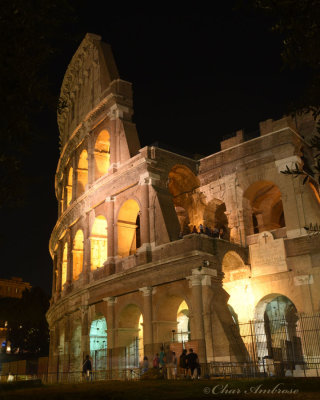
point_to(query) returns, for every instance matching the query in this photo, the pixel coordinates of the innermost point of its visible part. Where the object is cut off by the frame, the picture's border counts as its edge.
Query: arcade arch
(64, 266)
(128, 228)
(99, 242)
(130, 336)
(276, 328)
(182, 185)
(263, 207)
(82, 173)
(98, 343)
(237, 284)
(102, 154)
(214, 217)
(77, 253)
(183, 329)
(69, 186)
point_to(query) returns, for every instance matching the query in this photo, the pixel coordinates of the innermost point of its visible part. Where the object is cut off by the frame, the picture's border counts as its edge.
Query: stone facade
(128, 273)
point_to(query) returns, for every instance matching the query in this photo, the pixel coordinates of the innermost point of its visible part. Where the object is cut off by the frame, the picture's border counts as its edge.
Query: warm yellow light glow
(77, 253)
(127, 228)
(69, 186)
(102, 154)
(315, 192)
(99, 242)
(183, 322)
(141, 348)
(64, 265)
(82, 173)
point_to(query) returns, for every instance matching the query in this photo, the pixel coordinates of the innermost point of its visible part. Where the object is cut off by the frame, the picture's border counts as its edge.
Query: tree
(298, 24)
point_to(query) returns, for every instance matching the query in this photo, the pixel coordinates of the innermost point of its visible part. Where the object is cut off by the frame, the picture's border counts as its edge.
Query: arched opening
(69, 186)
(98, 344)
(130, 336)
(128, 228)
(237, 284)
(264, 208)
(82, 173)
(183, 329)
(64, 266)
(214, 218)
(175, 311)
(276, 329)
(102, 154)
(77, 254)
(182, 185)
(99, 242)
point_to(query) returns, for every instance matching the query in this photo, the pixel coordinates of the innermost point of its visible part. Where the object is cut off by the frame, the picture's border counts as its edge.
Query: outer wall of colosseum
(133, 270)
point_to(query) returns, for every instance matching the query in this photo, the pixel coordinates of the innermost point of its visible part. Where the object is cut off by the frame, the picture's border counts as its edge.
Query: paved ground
(273, 389)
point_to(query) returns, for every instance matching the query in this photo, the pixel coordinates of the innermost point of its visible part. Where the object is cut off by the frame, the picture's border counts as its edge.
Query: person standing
(169, 362)
(156, 361)
(183, 363)
(145, 364)
(87, 368)
(174, 362)
(192, 362)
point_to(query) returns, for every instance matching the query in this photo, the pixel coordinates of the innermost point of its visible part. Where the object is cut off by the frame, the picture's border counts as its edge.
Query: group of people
(167, 363)
(215, 232)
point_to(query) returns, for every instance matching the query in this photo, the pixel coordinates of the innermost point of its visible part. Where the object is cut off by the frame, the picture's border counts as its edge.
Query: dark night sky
(195, 78)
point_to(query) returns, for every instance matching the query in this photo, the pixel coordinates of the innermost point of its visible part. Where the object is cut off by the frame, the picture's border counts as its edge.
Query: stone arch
(99, 242)
(69, 186)
(237, 284)
(102, 154)
(82, 173)
(214, 217)
(275, 326)
(77, 254)
(183, 185)
(128, 227)
(263, 209)
(169, 311)
(98, 342)
(130, 335)
(183, 323)
(64, 265)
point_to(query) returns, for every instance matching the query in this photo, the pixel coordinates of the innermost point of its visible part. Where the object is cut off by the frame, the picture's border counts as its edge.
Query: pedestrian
(192, 362)
(156, 361)
(162, 362)
(200, 228)
(169, 362)
(215, 233)
(183, 363)
(194, 229)
(221, 233)
(145, 364)
(87, 368)
(174, 362)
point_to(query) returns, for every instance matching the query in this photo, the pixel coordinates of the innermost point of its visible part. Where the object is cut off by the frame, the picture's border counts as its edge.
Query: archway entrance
(183, 329)
(98, 344)
(99, 242)
(128, 228)
(102, 154)
(130, 337)
(77, 253)
(276, 329)
(263, 207)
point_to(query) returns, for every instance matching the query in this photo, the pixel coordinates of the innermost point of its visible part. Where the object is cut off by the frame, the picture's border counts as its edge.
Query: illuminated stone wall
(136, 244)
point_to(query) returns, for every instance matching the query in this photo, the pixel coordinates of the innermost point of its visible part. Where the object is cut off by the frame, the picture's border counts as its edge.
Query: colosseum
(153, 248)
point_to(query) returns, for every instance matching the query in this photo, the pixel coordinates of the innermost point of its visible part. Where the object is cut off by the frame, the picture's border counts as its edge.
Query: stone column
(74, 179)
(111, 350)
(59, 270)
(54, 274)
(91, 164)
(147, 292)
(87, 248)
(69, 257)
(207, 321)
(144, 215)
(111, 231)
(85, 339)
(197, 314)
(67, 340)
